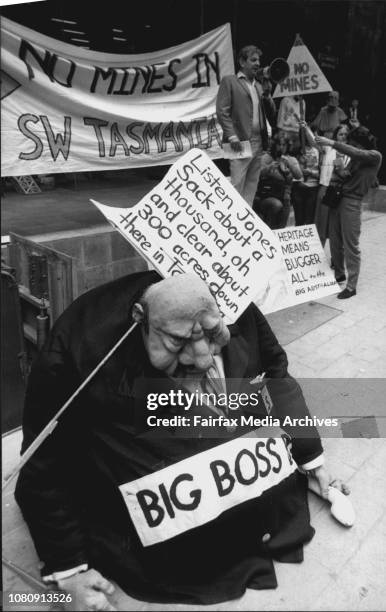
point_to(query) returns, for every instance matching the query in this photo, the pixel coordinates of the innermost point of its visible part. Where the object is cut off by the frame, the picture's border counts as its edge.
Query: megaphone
(277, 71)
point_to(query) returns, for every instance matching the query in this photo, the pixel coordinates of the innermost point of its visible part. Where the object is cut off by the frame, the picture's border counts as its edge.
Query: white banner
(68, 109)
(194, 491)
(304, 273)
(194, 220)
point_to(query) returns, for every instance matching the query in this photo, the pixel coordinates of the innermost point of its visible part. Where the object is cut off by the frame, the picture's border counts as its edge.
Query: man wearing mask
(243, 106)
(71, 491)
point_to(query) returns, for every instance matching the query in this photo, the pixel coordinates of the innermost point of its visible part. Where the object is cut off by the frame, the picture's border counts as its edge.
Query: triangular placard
(305, 76)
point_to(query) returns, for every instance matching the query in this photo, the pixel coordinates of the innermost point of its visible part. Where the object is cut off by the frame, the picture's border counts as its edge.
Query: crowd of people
(323, 170)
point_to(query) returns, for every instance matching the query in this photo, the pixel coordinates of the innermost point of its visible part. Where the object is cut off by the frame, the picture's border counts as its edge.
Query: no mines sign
(305, 76)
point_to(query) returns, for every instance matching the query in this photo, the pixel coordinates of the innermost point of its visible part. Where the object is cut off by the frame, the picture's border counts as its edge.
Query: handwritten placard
(195, 221)
(304, 274)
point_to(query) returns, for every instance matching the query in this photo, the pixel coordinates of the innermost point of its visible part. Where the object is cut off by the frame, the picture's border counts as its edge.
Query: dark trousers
(273, 212)
(304, 203)
(344, 232)
(321, 215)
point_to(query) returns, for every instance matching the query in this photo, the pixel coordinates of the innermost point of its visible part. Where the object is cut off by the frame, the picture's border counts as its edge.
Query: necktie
(213, 384)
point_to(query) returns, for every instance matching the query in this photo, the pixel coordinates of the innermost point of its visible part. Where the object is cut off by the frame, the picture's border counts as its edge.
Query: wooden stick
(27, 577)
(302, 133)
(49, 428)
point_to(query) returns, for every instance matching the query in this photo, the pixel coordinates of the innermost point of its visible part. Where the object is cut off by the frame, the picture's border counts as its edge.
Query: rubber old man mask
(181, 324)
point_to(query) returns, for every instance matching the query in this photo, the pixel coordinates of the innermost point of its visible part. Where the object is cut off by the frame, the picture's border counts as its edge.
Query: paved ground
(68, 207)
(344, 569)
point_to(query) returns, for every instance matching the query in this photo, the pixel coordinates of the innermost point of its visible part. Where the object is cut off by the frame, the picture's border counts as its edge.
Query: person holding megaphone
(243, 106)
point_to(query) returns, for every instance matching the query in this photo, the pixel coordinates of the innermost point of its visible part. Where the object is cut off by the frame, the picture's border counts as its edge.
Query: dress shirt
(255, 105)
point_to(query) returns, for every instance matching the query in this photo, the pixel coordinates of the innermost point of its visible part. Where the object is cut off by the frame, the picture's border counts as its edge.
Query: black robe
(68, 491)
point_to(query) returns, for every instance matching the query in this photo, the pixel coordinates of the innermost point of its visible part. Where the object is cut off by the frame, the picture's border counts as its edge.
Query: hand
(267, 87)
(325, 480)
(354, 123)
(321, 193)
(236, 145)
(284, 164)
(88, 591)
(323, 141)
(308, 132)
(343, 173)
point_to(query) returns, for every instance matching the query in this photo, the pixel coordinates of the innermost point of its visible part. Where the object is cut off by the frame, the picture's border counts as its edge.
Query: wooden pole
(49, 428)
(302, 132)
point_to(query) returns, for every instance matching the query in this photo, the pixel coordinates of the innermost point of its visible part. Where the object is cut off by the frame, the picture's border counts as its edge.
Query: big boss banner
(68, 109)
(194, 491)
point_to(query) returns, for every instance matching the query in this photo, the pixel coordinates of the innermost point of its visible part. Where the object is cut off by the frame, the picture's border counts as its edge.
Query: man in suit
(70, 491)
(243, 107)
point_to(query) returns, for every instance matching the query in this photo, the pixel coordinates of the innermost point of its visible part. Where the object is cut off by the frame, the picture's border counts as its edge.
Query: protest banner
(328, 61)
(305, 76)
(304, 273)
(69, 109)
(192, 492)
(194, 220)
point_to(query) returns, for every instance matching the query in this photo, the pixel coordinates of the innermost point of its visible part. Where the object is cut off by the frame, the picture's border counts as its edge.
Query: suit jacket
(68, 491)
(234, 110)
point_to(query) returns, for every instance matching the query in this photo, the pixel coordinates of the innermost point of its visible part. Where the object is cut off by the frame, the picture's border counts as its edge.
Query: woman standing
(304, 193)
(345, 220)
(333, 170)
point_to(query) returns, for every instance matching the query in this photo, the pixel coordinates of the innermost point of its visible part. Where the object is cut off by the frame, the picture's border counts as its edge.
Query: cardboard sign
(326, 60)
(304, 273)
(229, 153)
(69, 109)
(289, 113)
(194, 491)
(195, 221)
(305, 76)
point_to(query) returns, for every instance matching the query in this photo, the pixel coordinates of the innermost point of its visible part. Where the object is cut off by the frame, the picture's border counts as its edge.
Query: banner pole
(49, 428)
(302, 132)
(26, 576)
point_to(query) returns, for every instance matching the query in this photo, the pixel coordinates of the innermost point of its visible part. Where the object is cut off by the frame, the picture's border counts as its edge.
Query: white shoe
(341, 507)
